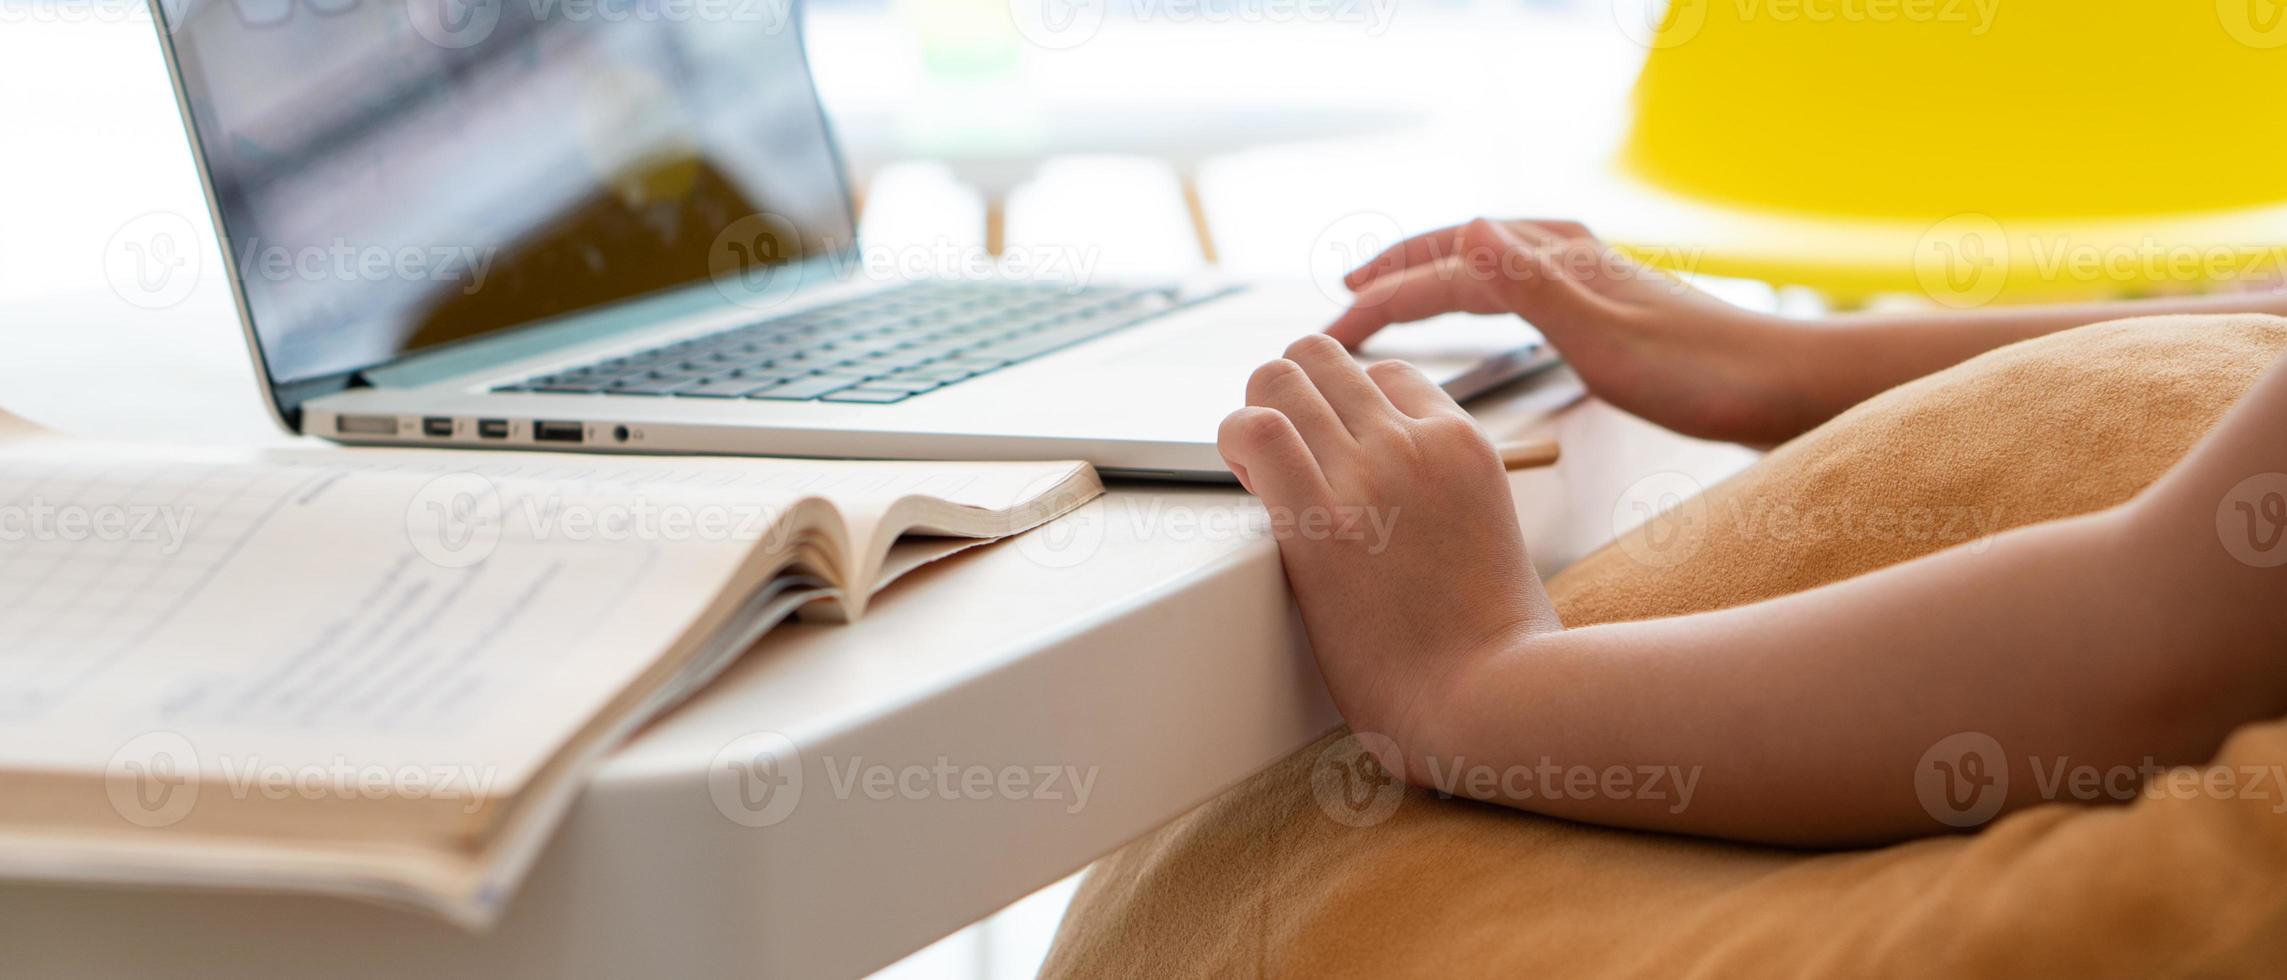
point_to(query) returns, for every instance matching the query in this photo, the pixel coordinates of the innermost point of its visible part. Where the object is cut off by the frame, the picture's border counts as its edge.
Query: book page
(403, 613)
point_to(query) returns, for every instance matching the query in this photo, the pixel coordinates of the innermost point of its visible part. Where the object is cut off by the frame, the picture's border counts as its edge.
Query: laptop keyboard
(882, 347)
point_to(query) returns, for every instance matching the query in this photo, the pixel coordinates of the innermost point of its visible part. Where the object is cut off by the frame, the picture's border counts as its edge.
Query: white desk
(1135, 639)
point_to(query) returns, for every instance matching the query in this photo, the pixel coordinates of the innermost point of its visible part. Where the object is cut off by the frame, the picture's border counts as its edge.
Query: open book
(386, 673)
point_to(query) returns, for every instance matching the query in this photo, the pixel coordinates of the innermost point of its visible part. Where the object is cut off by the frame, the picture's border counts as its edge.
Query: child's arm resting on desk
(2118, 638)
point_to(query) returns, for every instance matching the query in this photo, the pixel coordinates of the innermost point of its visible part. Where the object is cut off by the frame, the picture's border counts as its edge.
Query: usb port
(437, 428)
(557, 432)
(492, 428)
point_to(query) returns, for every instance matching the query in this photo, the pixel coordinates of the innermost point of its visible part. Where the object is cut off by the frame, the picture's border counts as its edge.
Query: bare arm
(1653, 346)
(2123, 637)
(1866, 354)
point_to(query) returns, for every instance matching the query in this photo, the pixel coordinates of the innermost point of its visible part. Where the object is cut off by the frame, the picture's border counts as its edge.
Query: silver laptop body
(503, 226)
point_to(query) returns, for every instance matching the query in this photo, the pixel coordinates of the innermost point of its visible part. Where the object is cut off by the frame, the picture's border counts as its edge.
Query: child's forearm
(1855, 356)
(2130, 638)
(1801, 720)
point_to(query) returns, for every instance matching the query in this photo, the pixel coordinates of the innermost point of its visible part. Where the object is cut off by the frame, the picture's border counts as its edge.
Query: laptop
(613, 228)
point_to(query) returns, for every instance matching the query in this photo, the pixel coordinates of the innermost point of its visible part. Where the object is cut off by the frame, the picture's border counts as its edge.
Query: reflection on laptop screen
(398, 174)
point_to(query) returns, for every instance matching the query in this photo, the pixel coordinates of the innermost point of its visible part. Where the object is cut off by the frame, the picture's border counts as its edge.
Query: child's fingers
(1356, 399)
(1433, 246)
(1533, 283)
(1412, 391)
(1282, 385)
(1237, 467)
(1542, 230)
(1418, 293)
(1419, 250)
(1495, 270)
(1263, 447)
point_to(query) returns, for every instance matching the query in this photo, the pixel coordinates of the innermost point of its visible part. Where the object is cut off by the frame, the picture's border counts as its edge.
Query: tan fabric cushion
(1265, 881)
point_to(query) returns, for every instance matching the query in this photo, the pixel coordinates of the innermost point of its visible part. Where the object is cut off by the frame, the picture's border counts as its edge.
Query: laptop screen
(394, 175)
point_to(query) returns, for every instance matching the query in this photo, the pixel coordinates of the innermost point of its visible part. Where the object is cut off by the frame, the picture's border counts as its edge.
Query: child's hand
(1640, 339)
(1393, 516)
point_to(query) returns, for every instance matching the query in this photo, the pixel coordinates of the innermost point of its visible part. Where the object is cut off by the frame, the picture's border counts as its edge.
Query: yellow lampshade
(2101, 124)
